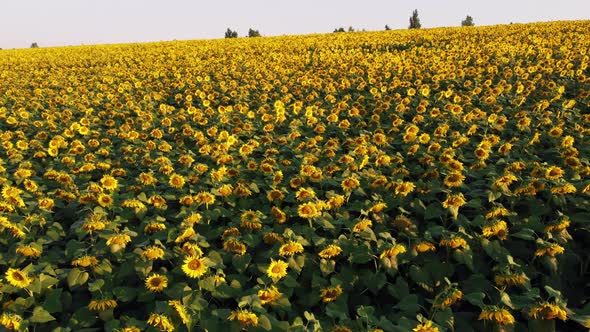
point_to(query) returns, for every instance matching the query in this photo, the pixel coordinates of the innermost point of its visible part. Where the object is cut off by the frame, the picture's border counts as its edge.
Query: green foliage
(253, 33)
(229, 33)
(467, 22)
(415, 20)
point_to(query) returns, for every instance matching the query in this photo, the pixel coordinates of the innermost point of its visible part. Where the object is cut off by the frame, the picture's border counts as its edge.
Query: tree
(341, 29)
(34, 45)
(387, 28)
(415, 20)
(231, 34)
(467, 22)
(253, 33)
(350, 29)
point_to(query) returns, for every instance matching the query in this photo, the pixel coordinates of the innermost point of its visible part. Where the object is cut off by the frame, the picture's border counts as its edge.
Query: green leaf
(125, 294)
(77, 277)
(445, 318)
(104, 267)
(433, 211)
(409, 304)
(41, 315)
(264, 322)
(241, 262)
(542, 325)
(96, 285)
(360, 255)
(505, 298)
(476, 299)
(327, 266)
(374, 281)
(53, 300)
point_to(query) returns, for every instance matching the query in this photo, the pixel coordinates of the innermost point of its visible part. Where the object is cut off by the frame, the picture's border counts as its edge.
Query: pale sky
(76, 22)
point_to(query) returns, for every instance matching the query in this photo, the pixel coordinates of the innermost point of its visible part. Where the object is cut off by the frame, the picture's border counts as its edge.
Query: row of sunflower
(409, 180)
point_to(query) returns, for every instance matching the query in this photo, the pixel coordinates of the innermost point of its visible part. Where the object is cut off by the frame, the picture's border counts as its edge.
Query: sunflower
(192, 219)
(424, 246)
(205, 198)
(101, 305)
(548, 311)
(269, 295)
(156, 283)
(147, 179)
(362, 225)
(181, 311)
(336, 201)
(350, 183)
(481, 153)
(559, 225)
(453, 203)
(153, 253)
(17, 278)
(176, 181)
(154, 227)
(250, 220)
(105, 200)
(85, 261)
(554, 173)
(187, 234)
(511, 279)
(119, 240)
(194, 267)
(425, 327)
(109, 183)
(567, 188)
(244, 317)
(497, 315)
(46, 204)
(161, 322)
(305, 193)
(290, 248)
(550, 249)
(277, 270)
(393, 251)
(341, 328)
(330, 294)
(454, 242)
(235, 246)
(498, 212)
(330, 251)
(378, 207)
(308, 210)
(275, 195)
(403, 188)
(28, 251)
(497, 228)
(454, 179)
(272, 238)
(11, 321)
(447, 298)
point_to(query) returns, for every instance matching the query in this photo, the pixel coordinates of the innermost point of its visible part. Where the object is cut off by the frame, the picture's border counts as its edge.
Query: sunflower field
(423, 180)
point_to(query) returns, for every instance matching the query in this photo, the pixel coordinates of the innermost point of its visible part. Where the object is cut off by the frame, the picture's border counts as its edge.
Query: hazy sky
(75, 22)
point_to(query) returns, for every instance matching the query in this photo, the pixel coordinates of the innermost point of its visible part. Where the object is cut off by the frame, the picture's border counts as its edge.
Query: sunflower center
(194, 264)
(156, 282)
(17, 276)
(276, 269)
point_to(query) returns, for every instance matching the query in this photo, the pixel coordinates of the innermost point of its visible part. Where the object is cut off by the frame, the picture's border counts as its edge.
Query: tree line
(414, 24)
